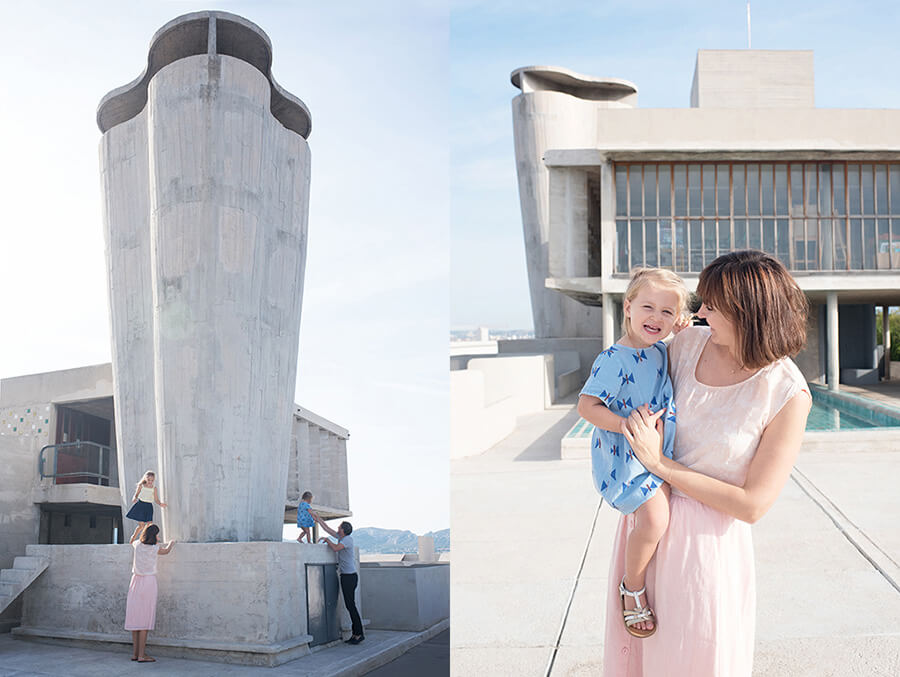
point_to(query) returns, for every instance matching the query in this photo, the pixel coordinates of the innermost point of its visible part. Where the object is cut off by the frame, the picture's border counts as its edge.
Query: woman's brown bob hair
(757, 294)
(150, 534)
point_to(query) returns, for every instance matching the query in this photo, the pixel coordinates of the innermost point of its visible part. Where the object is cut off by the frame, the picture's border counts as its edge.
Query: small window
(93, 521)
(67, 520)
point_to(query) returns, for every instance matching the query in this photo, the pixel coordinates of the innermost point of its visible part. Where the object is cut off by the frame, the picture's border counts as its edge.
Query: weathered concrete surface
(400, 596)
(27, 416)
(206, 217)
(381, 648)
(234, 602)
(823, 607)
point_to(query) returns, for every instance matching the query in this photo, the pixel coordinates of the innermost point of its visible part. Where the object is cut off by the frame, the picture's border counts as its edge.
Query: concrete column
(886, 337)
(205, 171)
(833, 367)
(609, 320)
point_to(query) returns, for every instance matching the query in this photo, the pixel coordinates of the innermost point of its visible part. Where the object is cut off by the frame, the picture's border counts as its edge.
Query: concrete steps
(14, 581)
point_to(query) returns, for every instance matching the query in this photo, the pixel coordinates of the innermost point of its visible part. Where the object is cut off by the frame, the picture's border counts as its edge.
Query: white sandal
(639, 614)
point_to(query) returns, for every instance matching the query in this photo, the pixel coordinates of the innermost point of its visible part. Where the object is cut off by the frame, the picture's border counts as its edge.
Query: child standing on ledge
(627, 375)
(305, 519)
(145, 495)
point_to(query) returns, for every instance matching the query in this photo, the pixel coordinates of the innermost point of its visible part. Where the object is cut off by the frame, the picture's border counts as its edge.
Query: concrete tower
(205, 172)
(557, 109)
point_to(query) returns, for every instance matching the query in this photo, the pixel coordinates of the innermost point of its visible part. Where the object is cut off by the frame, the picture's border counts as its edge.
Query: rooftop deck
(827, 561)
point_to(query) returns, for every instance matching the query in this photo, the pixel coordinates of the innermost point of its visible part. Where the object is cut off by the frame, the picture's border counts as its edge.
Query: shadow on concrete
(431, 657)
(547, 446)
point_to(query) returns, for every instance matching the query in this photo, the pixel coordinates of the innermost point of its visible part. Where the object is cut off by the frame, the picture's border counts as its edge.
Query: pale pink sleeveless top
(144, 558)
(719, 427)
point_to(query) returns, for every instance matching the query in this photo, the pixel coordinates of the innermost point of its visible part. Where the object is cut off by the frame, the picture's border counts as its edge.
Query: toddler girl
(304, 518)
(626, 376)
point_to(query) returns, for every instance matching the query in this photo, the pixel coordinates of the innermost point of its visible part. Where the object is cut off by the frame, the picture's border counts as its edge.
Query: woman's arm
(167, 548)
(768, 472)
(156, 498)
(592, 410)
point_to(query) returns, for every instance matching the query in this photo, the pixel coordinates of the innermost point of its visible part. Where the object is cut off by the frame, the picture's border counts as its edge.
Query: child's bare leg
(650, 522)
(307, 534)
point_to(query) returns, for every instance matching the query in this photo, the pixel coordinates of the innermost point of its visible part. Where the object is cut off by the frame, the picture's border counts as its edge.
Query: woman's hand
(644, 432)
(681, 323)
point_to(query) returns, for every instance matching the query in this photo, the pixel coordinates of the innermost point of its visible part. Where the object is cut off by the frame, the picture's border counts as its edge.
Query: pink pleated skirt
(702, 587)
(140, 609)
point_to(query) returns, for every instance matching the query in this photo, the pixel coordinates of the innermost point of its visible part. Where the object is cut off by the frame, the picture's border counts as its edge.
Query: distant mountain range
(375, 540)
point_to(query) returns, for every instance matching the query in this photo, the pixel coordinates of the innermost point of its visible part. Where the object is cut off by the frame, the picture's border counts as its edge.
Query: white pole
(748, 26)
(832, 364)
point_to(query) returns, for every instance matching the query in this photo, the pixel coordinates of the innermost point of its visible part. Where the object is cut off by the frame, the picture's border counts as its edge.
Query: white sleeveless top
(719, 427)
(146, 495)
(144, 558)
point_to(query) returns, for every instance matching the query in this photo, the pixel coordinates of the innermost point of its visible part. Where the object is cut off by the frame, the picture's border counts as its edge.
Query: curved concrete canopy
(205, 33)
(558, 79)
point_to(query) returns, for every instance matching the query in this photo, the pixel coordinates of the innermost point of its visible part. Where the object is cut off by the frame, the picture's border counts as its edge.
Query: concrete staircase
(14, 581)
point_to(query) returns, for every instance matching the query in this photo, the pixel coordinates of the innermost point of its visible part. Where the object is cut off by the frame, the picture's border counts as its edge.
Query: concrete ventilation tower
(557, 109)
(205, 170)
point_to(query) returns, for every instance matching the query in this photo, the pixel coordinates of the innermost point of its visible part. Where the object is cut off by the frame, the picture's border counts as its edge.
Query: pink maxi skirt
(140, 609)
(702, 587)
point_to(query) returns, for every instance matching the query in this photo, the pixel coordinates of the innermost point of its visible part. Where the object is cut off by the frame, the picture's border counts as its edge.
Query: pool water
(829, 412)
(848, 412)
(829, 417)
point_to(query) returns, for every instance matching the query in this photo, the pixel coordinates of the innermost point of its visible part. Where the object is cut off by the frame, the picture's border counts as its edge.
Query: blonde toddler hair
(657, 277)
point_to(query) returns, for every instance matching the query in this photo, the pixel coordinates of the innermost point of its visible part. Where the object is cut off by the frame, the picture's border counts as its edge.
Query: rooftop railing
(75, 462)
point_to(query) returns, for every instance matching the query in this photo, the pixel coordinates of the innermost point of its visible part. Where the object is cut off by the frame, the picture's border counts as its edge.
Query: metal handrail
(102, 450)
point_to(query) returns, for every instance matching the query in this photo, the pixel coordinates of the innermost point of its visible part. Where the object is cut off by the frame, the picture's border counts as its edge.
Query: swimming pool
(829, 412)
(844, 411)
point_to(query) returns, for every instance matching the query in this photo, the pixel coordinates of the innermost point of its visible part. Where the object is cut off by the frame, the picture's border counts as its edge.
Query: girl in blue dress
(627, 375)
(145, 495)
(304, 518)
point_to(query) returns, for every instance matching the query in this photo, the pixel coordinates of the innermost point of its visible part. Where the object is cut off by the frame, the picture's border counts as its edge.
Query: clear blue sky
(652, 44)
(373, 348)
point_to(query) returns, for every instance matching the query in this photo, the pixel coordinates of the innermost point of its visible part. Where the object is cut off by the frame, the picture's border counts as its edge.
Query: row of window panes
(801, 244)
(719, 198)
(758, 189)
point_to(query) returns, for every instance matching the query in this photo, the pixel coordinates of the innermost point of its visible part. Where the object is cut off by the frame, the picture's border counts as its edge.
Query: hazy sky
(373, 348)
(652, 44)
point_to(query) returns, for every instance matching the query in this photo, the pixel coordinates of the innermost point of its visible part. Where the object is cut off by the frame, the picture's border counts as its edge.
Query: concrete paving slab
(512, 614)
(850, 479)
(20, 657)
(499, 661)
(431, 657)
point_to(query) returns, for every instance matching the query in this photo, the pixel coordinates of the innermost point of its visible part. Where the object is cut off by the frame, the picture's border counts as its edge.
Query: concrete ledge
(405, 595)
(253, 594)
(228, 652)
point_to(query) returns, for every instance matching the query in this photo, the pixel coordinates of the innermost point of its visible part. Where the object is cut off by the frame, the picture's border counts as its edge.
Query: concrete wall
(318, 463)
(476, 425)
(27, 417)
(542, 120)
(201, 585)
(753, 78)
(206, 214)
(410, 597)
(587, 349)
(857, 336)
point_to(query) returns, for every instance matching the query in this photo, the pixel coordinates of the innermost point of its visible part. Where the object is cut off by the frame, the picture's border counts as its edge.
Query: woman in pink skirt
(140, 609)
(742, 406)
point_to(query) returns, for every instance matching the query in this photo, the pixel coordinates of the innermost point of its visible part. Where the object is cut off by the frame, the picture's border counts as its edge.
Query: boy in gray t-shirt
(347, 570)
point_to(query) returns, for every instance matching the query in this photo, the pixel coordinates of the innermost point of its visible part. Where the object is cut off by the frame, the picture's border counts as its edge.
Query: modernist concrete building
(60, 474)
(606, 186)
(205, 171)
